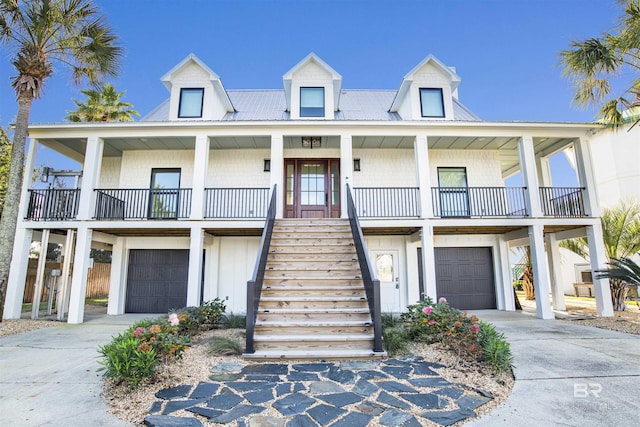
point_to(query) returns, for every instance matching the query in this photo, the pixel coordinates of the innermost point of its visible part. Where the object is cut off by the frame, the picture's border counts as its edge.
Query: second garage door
(464, 276)
(157, 280)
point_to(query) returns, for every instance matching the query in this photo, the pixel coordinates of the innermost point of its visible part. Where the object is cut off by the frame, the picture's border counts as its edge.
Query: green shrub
(233, 321)
(395, 340)
(390, 320)
(496, 349)
(134, 354)
(225, 347)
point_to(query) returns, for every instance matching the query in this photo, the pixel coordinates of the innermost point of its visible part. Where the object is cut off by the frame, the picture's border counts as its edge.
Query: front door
(312, 188)
(386, 267)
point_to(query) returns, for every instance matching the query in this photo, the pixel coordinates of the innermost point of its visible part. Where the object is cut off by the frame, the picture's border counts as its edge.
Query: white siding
(110, 172)
(193, 76)
(235, 262)
(483, 166)
(312, 75)
(136, 166)
(385, 168)
(237, 169)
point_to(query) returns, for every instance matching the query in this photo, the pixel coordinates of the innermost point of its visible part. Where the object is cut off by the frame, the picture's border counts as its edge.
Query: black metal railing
(371, 284)
(236, 202)
(478, 202)
(53, 204)
(387, 202)
(143, 203)
(254, 285)
(562, 202)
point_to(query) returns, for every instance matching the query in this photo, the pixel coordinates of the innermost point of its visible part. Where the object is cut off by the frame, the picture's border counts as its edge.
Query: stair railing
(371, 284)
(254, 285)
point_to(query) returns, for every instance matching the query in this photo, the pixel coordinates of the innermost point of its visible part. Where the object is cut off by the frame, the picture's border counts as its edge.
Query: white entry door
(386, 269)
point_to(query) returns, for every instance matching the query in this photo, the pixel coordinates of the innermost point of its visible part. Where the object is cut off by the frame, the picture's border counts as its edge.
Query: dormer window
(191, 101)
(311, 102)
(431, 102)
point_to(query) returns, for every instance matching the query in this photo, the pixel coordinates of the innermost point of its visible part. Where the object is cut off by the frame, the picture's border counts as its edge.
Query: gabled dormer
(427, 92)
(312, 89)
(196, 91)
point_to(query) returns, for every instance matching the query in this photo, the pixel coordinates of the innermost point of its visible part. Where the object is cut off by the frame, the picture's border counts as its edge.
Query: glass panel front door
(312, 188)
(164, 194)
(454, 194)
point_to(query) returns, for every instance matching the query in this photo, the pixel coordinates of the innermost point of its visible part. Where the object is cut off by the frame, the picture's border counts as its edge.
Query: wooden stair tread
(316, 354)
(315, 323)
(332, 337)
(311, 299)
(313, 310)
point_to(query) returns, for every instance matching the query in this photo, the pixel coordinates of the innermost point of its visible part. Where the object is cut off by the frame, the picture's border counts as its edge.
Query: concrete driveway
(566, 375)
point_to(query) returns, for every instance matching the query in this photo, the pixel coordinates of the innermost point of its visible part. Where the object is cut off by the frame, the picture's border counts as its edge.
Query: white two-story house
(182, 196)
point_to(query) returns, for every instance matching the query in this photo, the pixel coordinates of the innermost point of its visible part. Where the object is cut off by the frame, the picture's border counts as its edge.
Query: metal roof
(270, 105)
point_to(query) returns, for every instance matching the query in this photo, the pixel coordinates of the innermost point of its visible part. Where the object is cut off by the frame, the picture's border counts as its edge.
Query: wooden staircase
(313, 303)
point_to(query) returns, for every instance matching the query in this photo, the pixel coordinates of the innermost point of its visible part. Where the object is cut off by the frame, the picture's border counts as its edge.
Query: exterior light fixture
(311, 142)
(267, 165)
(356, 165)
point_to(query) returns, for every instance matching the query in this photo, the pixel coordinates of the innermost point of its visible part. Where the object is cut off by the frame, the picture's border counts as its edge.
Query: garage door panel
(157, 280)
(464, 276)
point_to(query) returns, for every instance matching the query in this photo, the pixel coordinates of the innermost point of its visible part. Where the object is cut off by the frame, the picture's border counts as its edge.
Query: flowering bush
(134, 354)
(431, 322)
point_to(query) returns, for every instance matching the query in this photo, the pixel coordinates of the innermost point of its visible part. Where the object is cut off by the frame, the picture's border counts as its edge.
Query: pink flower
(432, 322)
(173, 319)
(475, 328)
(442, 299)
(427, 310)
(138, 332)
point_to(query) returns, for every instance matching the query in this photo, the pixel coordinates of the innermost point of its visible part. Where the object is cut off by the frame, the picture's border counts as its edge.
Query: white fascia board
(223, 95)
(455, 79)
(287, 78)
(166, 79)
(402, 93)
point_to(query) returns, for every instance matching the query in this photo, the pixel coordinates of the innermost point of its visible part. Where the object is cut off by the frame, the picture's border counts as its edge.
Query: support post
(18, 273)
(195, 266)
(346, 171)
(423, 178)
(604, 305)
(429, 262)
(117, 279)
(62, 301)
(81, 263)
(90, 177)
(277, 170)
(553, 255)
(540, 272)
(39, 283)
(584, 169)
(200, 167)
(507, 283)
(529, 176)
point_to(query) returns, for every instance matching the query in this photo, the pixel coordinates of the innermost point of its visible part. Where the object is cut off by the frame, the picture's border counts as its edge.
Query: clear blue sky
(505, 51)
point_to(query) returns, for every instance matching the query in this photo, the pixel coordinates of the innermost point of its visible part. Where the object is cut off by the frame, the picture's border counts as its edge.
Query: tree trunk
(619, 291)
(527, 284)
(14, 190)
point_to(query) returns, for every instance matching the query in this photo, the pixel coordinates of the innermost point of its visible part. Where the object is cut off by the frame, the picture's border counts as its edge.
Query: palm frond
(623, 269)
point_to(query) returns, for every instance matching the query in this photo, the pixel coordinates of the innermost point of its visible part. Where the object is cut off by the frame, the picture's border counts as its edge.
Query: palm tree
(621, 234)
(594, 62)
(102, 105)
(39, 33)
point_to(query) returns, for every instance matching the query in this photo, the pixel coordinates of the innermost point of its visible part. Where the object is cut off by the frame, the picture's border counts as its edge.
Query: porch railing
(143, 203)
(387, 202)
(478, 202)
(53, 204)
(254, 285)
(236, 202)
(562, 202)
(371, 284)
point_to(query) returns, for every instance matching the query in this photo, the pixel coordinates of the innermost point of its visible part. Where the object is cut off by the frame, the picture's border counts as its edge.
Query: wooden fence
(97, 280)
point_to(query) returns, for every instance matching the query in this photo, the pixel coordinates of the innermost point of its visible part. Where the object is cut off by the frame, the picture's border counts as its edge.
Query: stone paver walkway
(345, 394)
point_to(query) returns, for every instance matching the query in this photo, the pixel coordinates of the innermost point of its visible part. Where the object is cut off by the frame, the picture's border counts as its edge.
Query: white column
(529, 175)
(508, 301)
(584, 169)
(200, 167)
(346, 171)
(212, 269)
(81, 262)
(62, 299)
(553, 257)
(90, 177)
(39, 283)
(604, 306)
(195, 267)
(30, 164)
(277, 170)
(17, 273)
(117, 278)
(544, 171)
(423, 178)
(540, 272)
(429, 262)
